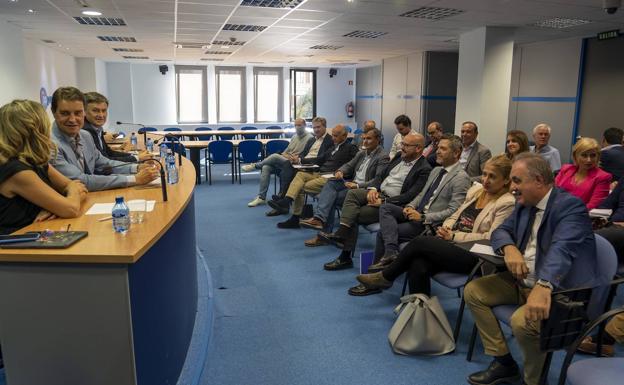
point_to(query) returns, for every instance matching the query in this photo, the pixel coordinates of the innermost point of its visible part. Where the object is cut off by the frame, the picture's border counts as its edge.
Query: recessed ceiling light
(31, 10)
(91, 11)
(225, 46)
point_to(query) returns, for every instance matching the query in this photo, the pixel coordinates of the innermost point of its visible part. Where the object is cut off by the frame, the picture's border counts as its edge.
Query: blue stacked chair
(249, 151)
(274, 136)
(225, 137)
(249, 136)
(220, 152)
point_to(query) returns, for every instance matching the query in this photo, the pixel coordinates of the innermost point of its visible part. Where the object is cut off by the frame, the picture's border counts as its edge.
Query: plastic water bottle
(150, 145)
(133, 140)
(121, 216)
(163, 150)
(172, 169)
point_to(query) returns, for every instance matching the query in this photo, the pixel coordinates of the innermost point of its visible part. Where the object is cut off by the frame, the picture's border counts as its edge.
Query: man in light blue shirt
(541, 136)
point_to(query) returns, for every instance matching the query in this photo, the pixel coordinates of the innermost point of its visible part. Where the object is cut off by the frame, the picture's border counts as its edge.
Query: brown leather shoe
(312, 223)
(374, 281)
(314, 242)
(590, 347)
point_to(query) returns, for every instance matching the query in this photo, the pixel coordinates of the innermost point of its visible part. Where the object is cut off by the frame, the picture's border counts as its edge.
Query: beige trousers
(309, 182)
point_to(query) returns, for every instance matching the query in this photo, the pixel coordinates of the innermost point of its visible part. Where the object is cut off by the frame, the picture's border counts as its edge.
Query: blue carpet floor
(281, 319)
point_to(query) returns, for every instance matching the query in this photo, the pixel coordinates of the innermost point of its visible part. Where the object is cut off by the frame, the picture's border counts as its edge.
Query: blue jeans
(274, 164)
(331, 197)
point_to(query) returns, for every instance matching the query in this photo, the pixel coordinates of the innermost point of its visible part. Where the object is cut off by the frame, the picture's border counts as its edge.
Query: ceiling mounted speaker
(332, 72)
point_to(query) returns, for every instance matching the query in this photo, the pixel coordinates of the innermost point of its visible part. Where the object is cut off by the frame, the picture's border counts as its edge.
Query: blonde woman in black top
(30, 189)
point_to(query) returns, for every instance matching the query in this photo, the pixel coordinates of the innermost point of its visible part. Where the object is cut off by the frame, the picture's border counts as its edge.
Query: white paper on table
(483, 249)
(600, 213)
(155, 182)
(107, 208)
(328, 176)
(304, 166)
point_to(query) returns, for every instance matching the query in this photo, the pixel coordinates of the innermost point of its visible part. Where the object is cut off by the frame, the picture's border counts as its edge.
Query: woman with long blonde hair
(30, 189)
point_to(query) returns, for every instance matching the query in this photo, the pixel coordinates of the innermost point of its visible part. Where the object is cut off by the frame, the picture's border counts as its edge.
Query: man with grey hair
(278, 163)
(369, 125)
(359, 172)
(561, 257)
(541, 136)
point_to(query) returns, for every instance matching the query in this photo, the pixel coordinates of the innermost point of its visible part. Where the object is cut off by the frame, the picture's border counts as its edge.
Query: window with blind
(302, 94)
(191, 94)
(230, 94)
(268, 94)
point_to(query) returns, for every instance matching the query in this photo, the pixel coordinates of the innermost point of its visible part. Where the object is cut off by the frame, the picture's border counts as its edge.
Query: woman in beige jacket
(485, 208)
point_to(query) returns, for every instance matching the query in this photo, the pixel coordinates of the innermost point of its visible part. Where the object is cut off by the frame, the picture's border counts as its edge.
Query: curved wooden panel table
(110, 309)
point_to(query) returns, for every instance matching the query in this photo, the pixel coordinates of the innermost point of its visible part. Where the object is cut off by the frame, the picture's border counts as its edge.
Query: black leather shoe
(290, 223)
(272, 213)
(386, 260)
(338, 264)
(282, 206)
(332, 238)
(361, 290)
(496, 373)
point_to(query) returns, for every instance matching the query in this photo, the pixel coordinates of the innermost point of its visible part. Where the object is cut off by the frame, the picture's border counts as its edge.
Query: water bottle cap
(119, 200)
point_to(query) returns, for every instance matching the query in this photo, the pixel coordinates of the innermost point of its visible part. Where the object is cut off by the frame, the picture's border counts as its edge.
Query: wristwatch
(545, 283)
(423, 218)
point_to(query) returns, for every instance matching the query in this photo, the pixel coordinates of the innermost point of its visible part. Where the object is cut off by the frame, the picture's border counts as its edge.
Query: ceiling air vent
(209, 59)
(104, 21)
(365, 34)
(136, 57)
(271, 3)
(127, 50)
(121, 39)
(559, 23)
(255, 62)
(432, 13)
(325, 46)
(217, 53)
(244, 27)
(228, 42)
(48, 41)
(190, 45)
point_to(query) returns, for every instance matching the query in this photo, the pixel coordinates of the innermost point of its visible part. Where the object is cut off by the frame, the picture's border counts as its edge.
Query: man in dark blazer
(548, 244)
(359, 172)
(474, 154)
(441, 196)
(612, 153)
(312, 182)
(96, 114)
(399, 183)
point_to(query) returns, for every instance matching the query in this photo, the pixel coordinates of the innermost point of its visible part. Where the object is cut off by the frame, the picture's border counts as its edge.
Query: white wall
(333, 94)
(153, 94)
(368, 95)
(12, 64)
(119, 94)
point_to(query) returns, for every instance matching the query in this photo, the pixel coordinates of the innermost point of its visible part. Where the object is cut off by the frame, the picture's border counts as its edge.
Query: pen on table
(68, 226)
(105, 219)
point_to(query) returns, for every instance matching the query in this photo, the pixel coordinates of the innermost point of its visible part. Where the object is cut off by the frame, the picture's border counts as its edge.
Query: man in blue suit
(612, 153)
(548, 244)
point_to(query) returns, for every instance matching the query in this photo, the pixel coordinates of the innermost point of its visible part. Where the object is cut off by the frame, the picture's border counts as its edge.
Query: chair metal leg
(458, 321)
(209, 172)
(404, 285)
(545, 369)
(471, 343)
(240, 173)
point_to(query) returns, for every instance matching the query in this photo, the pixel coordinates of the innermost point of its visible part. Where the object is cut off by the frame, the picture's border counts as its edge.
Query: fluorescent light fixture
(225, 46)
(31, 10)
(91, 11)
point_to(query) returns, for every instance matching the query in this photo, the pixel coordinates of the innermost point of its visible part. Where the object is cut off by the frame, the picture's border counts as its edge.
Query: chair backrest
(276, 146)
(204, 137)
(172, 129)
(225, 137)
(220, 151)
(121, 134)
(274, 136)
(250, 151)
(348, 128)
(249, 136)
(147, 129)
(606, 267)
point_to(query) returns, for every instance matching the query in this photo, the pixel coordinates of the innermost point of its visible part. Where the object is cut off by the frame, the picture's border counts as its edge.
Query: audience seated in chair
(583, 178)
(485, 208)
(399, 183)
(614, 332)
(517, 143)
(612, 153)
(474, 154)
(403, 126)
(281, 163)
(434, 134)
(561, 257)
(30, 189)
(76, 155)
(541, 137)
(359, 172)
(614, 229)
(312, 182)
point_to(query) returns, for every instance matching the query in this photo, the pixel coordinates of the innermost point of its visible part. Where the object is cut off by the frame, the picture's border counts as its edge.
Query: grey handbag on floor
(421, 327)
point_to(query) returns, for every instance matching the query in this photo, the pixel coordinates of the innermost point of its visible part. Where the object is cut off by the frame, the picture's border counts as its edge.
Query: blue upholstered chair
(220, 152)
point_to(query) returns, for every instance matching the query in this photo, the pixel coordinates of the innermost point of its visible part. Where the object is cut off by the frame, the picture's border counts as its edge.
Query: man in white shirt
(541, 137)
(404, 126)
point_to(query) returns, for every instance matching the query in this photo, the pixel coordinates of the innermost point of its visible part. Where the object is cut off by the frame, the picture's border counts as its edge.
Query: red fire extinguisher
(350, 108)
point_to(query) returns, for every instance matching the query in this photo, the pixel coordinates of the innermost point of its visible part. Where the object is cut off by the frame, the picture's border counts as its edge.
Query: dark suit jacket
(566, 247)
(612, 161)
(327, 144)
(104, 148)
(414, 182)
(376, 166)
(615, 202)
(329, 162)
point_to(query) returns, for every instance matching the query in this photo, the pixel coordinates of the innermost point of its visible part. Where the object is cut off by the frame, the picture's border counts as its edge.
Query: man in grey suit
(78, 158)
(359, 172)
(441, 196)
(474, 154)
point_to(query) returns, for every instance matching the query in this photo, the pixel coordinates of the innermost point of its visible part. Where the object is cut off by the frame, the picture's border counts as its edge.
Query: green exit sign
(609, 34)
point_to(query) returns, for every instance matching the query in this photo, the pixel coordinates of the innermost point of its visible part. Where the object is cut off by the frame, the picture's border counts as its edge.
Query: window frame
(293, 92)
(181, 69)
(280, 92)
(243, 96)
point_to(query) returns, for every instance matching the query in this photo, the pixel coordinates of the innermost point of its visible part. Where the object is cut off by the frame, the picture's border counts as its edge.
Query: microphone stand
(163, 182)
(175, 138)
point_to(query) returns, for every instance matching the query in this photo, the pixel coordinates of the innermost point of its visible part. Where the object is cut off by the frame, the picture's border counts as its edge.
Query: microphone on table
(130, 124)
(163, 182)
(175, 138)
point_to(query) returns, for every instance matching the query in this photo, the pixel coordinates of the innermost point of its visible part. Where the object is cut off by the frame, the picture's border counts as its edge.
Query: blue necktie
(425, 199)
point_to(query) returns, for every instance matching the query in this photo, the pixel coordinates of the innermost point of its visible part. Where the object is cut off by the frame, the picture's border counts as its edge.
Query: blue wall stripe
(547, 99)
(368, 96)
(579, 91)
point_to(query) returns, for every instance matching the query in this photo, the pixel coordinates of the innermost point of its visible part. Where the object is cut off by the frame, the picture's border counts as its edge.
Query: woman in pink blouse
(583, 178)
